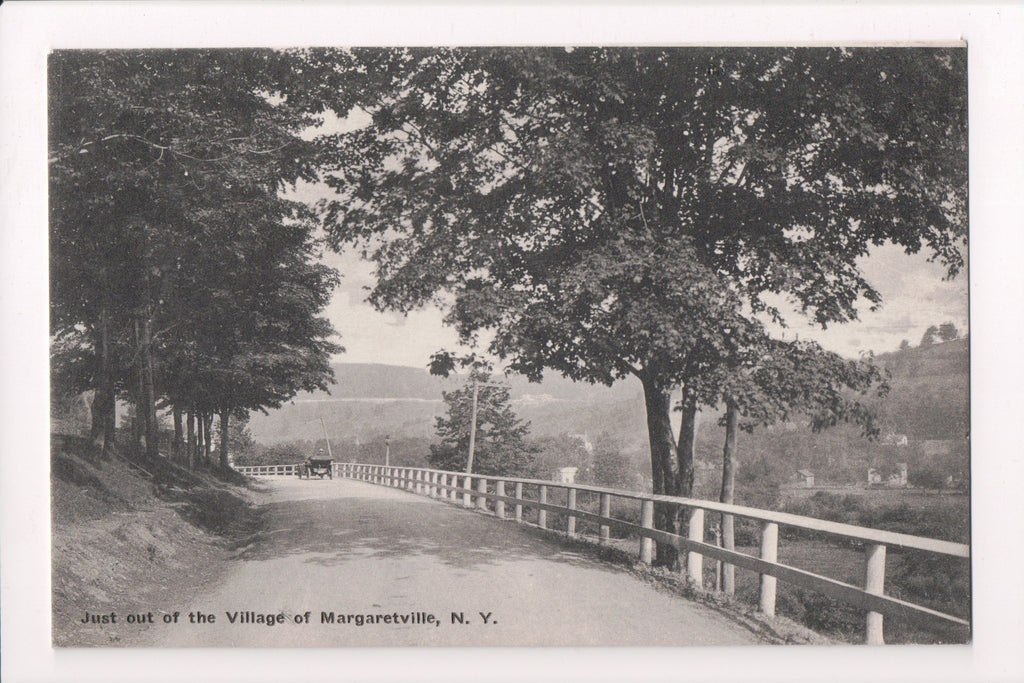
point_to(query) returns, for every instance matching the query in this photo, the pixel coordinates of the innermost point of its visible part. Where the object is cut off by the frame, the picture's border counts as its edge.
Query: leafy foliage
(605, 212)
(171, 244)
(500, 445)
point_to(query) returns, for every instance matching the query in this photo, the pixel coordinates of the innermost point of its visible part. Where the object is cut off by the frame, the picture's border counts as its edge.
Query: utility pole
(329, 454)
(472, 423)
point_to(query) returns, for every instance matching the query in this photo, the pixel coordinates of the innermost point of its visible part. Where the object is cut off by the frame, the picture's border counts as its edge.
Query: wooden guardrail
(492, 494)
(269, 470)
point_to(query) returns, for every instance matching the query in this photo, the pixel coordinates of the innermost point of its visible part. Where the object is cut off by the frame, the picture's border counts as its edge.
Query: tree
(171, 244)
(775, 381)
(930, 336)
(605, 212)
(613, 467)
(553, 452)
(500, 441)
(947, 332)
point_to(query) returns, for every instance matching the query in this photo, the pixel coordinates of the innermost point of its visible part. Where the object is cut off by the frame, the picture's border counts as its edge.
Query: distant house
(565, 475)
(894, 439)
(899, 477)
(894, 480)
(806, 478)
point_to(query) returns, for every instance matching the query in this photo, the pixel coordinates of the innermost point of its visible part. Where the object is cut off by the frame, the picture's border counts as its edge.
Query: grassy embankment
(135, 536)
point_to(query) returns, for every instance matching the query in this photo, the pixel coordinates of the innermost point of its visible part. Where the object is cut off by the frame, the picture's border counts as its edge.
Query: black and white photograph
(499, 345)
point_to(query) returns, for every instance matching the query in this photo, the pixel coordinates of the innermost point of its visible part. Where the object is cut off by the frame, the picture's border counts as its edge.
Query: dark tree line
(180, 276)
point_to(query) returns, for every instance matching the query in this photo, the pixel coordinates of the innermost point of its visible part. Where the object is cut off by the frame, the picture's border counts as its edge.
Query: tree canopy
(612, 211)
(174, 252)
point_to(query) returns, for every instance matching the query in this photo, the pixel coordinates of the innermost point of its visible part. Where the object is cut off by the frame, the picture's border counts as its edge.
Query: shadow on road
(333, 531)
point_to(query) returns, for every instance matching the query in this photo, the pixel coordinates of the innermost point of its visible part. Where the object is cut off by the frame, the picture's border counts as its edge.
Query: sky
(915, 295)
(914, 292)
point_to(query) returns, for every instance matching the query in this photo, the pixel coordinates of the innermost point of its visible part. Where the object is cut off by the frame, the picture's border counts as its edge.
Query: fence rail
(269, 470)
(491, 494)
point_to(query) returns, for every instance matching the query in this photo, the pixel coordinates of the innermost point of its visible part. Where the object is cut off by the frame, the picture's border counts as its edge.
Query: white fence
(500, 494)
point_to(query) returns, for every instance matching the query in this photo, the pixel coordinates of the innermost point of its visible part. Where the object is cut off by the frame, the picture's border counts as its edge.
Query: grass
(938, 582)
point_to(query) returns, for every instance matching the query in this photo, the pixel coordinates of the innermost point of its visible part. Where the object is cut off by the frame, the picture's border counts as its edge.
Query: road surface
(413, 571)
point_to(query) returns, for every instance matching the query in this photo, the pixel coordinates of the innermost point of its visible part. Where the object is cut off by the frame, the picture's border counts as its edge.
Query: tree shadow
(335, 531)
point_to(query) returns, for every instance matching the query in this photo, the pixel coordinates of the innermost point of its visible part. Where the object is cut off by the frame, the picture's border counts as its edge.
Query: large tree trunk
(200, 437)
(176, 443)
(224, 421)
(137, 394)
(102, 430)
(191, 447)
(207, 437)
(728, 494)
(148, 387)
(664, 466)
(687, 443)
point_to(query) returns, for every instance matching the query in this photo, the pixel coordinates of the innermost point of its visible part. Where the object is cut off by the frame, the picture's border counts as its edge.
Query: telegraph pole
(472, 423)
(329, 454)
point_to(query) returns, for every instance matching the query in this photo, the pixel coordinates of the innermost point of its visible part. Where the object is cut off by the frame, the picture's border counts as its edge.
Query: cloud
(915, 295)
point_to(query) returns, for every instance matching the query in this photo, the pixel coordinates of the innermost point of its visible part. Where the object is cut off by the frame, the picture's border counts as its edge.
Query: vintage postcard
(491, 344)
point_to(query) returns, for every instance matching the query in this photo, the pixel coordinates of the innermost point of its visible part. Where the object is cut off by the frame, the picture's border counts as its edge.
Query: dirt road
(425, 573)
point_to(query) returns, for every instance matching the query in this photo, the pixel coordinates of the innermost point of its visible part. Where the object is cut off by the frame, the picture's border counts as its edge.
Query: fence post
(695, 561)
(874, 582)
(570, 506)
(606, 511)
(542, 514)
(467, 498)
(519, 506)
(647, 522)
(417, 481)
(432, 484)
(499, 505)
(481, 487)
(769, 553)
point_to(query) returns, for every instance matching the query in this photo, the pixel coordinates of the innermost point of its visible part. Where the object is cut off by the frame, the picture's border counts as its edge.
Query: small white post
(874, 582)
(606, 511)
(570, 506)
(481, 488)
(542, 514)
(769, 553)
(499, 505)
(519, 506)
(467, 498)
(695, 561)
(647, 522)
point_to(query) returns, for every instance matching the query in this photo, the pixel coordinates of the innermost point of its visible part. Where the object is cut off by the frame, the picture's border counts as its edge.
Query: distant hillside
(928, 401)
(930, 395)
(369, 400)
